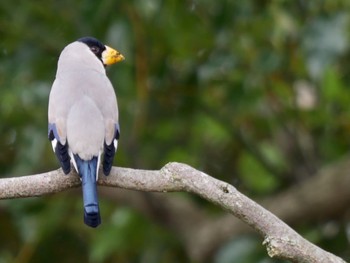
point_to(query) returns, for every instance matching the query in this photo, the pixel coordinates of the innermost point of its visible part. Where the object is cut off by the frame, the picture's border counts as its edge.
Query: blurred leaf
(325, 40)
(123, 235)
(255, 176)
(243, 250)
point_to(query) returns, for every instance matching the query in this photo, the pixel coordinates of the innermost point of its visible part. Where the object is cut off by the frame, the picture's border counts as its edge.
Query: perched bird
(83, 116)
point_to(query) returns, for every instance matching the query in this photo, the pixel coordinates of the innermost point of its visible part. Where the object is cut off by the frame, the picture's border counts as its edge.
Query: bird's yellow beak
(111, 56)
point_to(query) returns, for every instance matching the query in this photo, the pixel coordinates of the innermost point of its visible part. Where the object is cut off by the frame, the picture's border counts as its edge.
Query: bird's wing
(110, 150)
(57, 128)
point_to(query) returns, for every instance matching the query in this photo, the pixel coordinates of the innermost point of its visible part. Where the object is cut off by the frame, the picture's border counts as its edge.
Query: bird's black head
(95, 46)
(105, 54)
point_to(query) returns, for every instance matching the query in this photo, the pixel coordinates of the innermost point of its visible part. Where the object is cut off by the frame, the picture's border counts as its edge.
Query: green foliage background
(255, 93)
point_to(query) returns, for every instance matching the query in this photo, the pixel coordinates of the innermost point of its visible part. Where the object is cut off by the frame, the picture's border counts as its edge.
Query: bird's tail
(87, 171)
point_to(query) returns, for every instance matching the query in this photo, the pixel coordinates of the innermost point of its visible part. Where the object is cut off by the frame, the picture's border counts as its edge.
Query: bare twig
(281, 241)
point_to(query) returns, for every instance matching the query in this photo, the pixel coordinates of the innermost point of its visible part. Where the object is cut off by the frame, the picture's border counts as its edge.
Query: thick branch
(281, 241)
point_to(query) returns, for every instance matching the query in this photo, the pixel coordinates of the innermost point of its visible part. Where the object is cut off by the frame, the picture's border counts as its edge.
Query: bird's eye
(95, 49)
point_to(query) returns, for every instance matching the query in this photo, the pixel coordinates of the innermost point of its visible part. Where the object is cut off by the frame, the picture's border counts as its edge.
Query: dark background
(255, 93)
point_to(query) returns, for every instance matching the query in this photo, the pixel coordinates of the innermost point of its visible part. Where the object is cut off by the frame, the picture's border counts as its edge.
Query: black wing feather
(109, 152)
(61, 150)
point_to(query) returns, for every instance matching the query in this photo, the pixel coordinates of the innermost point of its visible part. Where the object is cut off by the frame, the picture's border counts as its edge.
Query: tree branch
(299, 203)
(281, 241)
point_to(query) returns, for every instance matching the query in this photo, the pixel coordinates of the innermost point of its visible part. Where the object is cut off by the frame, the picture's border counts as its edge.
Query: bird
(83, 124)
